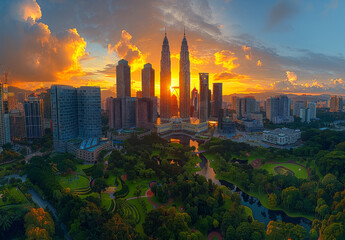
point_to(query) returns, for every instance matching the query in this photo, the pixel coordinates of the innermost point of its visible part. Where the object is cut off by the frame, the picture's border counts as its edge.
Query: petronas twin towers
(184, 81)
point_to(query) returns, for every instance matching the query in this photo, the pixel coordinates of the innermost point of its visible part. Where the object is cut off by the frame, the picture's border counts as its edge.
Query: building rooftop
(282, 131)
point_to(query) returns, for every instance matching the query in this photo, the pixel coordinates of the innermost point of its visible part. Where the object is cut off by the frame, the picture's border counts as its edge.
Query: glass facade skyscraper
(76, 113)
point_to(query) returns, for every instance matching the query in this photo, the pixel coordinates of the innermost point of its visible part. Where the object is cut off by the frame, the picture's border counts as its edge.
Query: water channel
(260, 213)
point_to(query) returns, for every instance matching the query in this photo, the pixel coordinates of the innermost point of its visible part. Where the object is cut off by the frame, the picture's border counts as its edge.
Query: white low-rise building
(281, 136)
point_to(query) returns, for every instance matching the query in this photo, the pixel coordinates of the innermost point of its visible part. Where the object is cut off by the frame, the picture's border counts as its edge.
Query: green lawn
(74, 181)
(300, 172)
(80, 167)
(106, 200)
(111, 180)
(144, 183)
(15, 196)
(149, 207)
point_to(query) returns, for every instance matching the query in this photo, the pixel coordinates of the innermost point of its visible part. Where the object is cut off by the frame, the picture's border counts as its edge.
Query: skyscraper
(122, 112)
(217, 98)
(336, 104)
(297, 107)
(165, 81)
(123, 79)
(233, 101)
(184, 81)
(245, 106)
(305, 115)
(148, 81)
(34, 117)
(17, 125)
(89, 112)
(204, 91)
(194, 108)
(278, 109)
(5, 136)
(312, 107)
(76, 113)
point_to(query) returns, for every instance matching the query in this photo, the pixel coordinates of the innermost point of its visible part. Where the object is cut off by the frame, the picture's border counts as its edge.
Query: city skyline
(77, 52)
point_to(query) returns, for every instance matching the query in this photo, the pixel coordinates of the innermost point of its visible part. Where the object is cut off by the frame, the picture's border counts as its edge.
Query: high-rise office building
(194, 104)
(245, 106)
(209, 103)
(144, 113)
(123, 79)
(75, 111)
(312, 107)
(174, 106)
(89, 112)
(12, 102)
(122, 112)
(184, 81)
(165, 81)
(305, 115)
(5, 134)
(278, 109)
(17, 125)
(45, 96)
(336, 104)
(204, 98)
(217, 98)
(233, 101)
(297, 107)
(148, 81)
(34, 117)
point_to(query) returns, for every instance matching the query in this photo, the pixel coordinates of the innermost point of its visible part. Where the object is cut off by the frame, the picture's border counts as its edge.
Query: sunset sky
(249, 45)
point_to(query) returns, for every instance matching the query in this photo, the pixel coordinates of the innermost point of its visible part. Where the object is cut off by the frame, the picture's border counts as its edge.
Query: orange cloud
(259, 63)
(29, 10)
(246, 49)
(126, 50)
(226, 58)
(228, 76)
(38, 56)
(291, 76)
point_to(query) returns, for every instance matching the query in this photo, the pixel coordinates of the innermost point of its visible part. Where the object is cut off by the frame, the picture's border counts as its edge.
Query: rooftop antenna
(184, 31)
(165, 30)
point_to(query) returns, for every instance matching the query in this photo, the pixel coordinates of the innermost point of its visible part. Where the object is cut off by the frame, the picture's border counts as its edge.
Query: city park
(134, 198)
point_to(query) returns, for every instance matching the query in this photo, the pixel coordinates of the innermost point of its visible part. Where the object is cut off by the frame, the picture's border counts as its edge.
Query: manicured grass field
(106, 201)
(149, 207)
(80, 167)
(300, 172)
(111, 180)
(144, 183)
(15, 194)
(74, 181)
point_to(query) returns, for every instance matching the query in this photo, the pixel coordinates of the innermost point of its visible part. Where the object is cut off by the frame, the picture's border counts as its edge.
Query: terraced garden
(128, 210)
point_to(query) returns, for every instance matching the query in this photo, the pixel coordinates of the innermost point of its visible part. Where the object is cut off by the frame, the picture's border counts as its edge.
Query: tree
(39, 224)
(230, 233)
(244, 231)
(117, 229)
(272, 200)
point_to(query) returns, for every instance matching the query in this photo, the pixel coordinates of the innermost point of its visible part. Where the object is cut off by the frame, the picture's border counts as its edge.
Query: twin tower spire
(165, 81)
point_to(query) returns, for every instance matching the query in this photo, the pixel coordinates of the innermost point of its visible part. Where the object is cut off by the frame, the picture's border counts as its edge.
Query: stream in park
(260, 213)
